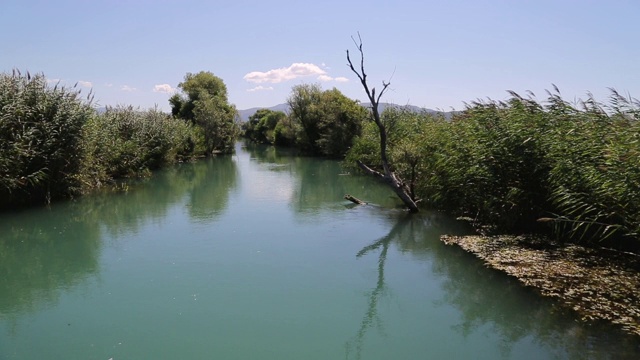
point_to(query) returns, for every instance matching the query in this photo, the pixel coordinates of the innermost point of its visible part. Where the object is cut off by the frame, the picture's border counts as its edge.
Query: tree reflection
(42, 255)
(209, 195)
(489, 297)
(266, 154)
(322, 183)
(319, 184)
(371, 316)
(45, 252)
(484, 297)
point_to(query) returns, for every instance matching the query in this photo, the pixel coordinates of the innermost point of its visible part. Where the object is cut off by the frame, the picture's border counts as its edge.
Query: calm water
(256, 256)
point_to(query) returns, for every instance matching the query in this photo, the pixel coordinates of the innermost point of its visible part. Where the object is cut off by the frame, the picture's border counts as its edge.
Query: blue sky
(437, 54)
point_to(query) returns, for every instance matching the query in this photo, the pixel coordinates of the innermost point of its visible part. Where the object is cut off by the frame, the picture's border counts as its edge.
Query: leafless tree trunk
(388, 176)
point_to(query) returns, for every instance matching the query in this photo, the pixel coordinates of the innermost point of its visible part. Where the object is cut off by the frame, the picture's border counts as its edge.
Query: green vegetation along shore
(524, 166)
(54, 145)
(566, 172)
(517, 166)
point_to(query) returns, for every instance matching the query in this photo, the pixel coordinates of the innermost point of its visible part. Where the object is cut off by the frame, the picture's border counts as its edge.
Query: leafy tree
(196, 87)
(261, 125)
(204, 102)
(326, 122)
(284, 133)
(340, 120)
(301, 103)
(217, 120)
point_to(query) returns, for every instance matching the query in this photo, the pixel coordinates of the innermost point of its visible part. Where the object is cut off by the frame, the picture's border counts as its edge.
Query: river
(257, 256)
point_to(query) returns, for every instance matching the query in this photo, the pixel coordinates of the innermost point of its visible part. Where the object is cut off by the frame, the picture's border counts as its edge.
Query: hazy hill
(245, 114)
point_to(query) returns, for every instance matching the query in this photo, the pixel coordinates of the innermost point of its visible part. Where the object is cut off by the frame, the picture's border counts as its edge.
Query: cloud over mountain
(260, 88)
(296, 70)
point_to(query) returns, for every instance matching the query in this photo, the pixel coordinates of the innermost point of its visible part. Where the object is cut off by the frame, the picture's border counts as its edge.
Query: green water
(256, 256)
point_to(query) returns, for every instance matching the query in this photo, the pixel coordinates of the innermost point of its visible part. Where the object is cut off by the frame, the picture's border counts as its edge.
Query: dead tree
(387, 175)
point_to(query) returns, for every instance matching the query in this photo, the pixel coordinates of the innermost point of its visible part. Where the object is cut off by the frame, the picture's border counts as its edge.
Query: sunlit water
(257, 256)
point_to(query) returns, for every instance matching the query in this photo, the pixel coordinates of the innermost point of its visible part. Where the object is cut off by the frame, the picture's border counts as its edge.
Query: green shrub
(40, 129)
(125, 142)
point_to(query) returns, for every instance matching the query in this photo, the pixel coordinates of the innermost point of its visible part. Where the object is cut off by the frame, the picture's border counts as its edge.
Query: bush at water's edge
(40, 139)
(54, 145)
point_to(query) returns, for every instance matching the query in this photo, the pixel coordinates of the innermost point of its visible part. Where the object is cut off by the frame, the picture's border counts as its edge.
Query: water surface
(257, 256)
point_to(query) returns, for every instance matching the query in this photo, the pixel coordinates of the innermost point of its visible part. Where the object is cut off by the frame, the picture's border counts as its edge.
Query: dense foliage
(521, 165)
(319, 123)
(40, 132)
(204, 103)
(53, 144)
(125, 142)
(261, 126)
(326, 121)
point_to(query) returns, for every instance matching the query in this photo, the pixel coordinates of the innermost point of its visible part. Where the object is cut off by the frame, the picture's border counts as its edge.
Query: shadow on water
(485, 298)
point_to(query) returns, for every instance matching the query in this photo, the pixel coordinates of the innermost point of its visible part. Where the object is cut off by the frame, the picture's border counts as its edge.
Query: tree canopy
(261, 125)
(326, 122)
(204, 102)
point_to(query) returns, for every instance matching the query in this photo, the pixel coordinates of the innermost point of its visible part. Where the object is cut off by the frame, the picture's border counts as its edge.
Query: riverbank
(598, 284)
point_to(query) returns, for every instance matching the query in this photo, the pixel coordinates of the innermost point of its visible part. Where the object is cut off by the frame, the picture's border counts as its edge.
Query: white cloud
(163, 88)
(108, 85)
(128, 88)
(53, 81)
(326, 78)
(260, 88)
(275, 76)
(85, 83)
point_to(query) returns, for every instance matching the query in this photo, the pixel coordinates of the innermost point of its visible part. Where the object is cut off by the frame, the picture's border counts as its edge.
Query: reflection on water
(257, 255)
(371, 316)
(41, 255)
(210, 195)
(486, 298)
(45, 251)
(319, 184)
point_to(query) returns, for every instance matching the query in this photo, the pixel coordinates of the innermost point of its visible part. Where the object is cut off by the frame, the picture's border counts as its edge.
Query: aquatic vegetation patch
(599, 284)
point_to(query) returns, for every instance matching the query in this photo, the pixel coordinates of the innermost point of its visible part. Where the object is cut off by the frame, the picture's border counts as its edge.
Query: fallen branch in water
(354, 200)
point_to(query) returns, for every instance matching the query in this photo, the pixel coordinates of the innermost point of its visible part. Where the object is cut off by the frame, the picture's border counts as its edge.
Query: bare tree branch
(387, 175)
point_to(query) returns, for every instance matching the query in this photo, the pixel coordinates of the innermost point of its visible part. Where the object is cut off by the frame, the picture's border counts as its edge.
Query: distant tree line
(53, 143)
(319, 122)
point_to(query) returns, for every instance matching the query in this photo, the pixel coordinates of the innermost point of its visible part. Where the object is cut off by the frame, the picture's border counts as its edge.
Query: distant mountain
(411, 108)
(245, 114)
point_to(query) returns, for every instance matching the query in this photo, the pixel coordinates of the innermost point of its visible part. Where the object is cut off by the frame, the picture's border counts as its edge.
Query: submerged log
(354, 200)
